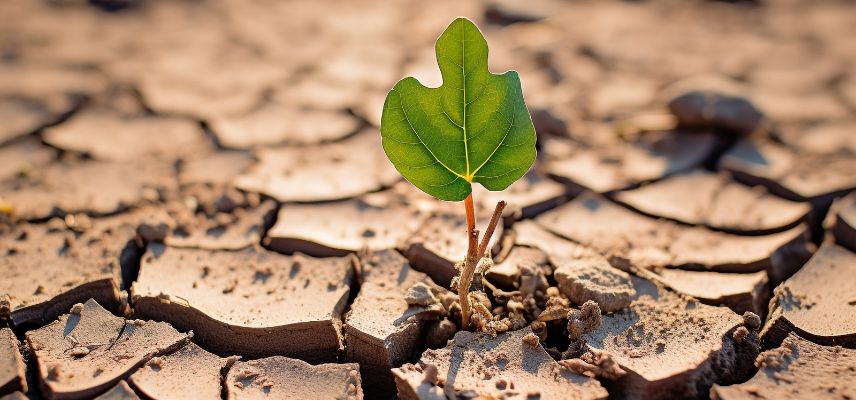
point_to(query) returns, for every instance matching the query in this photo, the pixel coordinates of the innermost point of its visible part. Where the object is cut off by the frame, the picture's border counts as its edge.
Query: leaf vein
(504, 137)
(415, 132)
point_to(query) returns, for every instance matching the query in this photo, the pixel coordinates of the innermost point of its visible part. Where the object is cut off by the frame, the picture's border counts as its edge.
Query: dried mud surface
(285, 378)
(194, 203)
(511, 364)
(821, 291)
(235, 299)
(790, 372)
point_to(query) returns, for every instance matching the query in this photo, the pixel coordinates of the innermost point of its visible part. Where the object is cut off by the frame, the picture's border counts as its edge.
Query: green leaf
(475, 127)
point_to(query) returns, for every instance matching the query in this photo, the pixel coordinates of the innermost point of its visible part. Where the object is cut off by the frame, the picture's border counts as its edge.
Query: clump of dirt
(779, 358)
(740, 334)
(420, 294)
(497, 310)
(585, 280)
(76, 309)
(428, 301)
(752, 320)
(586, 319)
(556, 307)
(594, 363)
(531, 339)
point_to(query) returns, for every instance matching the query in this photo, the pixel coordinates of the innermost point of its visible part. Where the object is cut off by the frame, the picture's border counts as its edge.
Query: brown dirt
(799, 369)
(717, 201)
(381, 329)
(189, 373)
(815, 295)
(526, 198)
(435, 247)
(616, 166)
(558, 250)
(507, 272)
(276, 124)
(71, 270)
(337, 228)
(739, 292)
(286, 378)
(842, 221)
(94, 188)
(815, 177)
(106, 135)
(595, 280)
(502, 366)
(231, 299)
(193, 127)
(12, 368)
(671, 346)
(591, 220)
(119, 392)
(331, 172)
(83, 354)
(210, 218)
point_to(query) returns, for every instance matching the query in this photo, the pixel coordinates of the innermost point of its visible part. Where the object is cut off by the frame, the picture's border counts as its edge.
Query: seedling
(475, 127)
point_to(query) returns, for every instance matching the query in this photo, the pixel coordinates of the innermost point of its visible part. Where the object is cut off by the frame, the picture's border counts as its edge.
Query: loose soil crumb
(582, 321)
(439, 333)
(740, 334)
(531, 339)
(419, 295)
(779, 358)
(752, 321)
(76, 309)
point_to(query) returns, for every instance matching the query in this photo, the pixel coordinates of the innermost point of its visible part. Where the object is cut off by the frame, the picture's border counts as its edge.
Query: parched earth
(194, 203)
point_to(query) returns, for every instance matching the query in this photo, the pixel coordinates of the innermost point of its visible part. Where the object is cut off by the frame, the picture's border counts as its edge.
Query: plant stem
(475, 251)
(469, 263)
(471, 215)
(466, 280)
(497, 213)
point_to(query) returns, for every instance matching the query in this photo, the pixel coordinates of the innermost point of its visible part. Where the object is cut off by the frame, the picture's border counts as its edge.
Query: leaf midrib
(469, 176)
(463, 67)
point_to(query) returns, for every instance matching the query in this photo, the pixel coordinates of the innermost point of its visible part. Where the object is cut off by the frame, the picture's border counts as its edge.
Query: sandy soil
(194, 203)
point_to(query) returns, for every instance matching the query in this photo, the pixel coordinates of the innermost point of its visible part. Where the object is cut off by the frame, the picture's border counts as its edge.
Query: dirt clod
(752, 321)
(594, 363)
(420, 295)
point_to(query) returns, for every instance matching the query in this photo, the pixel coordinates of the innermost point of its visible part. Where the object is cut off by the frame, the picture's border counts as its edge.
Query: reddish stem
(471, 214)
